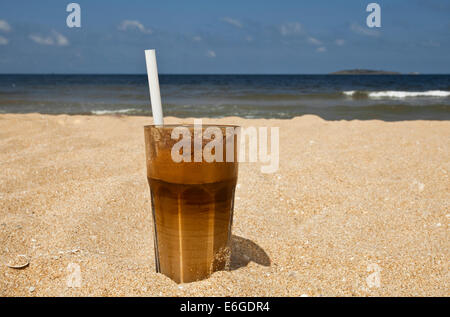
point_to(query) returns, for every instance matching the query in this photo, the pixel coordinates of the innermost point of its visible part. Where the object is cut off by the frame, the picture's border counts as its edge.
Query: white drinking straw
(153, 85)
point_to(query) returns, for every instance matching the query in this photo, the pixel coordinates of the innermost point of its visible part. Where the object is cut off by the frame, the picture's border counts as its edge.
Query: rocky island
(364, 72)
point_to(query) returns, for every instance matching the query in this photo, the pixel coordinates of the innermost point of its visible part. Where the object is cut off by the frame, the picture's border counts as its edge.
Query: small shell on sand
(18, 262)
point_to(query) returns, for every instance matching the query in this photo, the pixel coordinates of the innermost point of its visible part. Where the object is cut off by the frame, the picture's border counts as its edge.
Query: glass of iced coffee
(192, 199)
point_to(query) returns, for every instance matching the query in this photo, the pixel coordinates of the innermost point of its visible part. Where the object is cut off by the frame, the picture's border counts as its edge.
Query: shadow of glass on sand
(244, 251)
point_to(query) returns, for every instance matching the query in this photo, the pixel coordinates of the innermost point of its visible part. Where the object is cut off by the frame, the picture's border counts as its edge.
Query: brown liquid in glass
(193, 224)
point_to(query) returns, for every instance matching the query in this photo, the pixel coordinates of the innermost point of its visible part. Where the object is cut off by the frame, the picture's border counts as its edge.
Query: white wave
(406, 94)
(349, 93)
(100, 112)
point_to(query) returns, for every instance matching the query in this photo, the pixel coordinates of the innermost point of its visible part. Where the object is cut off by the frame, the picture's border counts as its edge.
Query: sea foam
(405, 94)
(400, 94)
(100, 112)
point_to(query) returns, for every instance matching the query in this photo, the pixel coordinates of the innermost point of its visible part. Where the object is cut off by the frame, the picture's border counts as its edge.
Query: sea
(332, 97)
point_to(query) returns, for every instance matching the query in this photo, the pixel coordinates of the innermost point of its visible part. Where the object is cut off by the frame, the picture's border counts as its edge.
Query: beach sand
(357, 208)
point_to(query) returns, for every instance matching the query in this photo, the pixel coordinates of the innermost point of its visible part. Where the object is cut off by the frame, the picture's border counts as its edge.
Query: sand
(357, 208)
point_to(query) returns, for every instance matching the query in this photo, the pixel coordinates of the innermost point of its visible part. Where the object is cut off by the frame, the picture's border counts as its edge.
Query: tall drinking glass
(192, 200)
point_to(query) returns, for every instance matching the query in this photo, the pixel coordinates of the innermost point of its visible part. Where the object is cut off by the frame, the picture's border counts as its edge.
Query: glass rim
(189, 125)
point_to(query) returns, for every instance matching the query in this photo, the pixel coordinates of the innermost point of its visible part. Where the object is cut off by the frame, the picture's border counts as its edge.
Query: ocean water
(333, 97)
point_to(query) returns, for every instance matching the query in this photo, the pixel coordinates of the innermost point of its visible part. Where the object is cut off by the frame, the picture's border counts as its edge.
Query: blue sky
(305, 37)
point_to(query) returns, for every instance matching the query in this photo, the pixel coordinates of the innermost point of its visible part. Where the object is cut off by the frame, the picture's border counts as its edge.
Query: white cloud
(54, 39)
(133, 25)
(321, 49)
(197, 38)
(339, 42)
(211, 54)
(291, 29)
(233, 22)
(61, 40)
(4, 26)
(42, 40)
(3, 40)
(358, 29)
(314, 41)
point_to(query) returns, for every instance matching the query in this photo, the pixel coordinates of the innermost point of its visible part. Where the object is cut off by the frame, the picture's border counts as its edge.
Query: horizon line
(229, 74)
